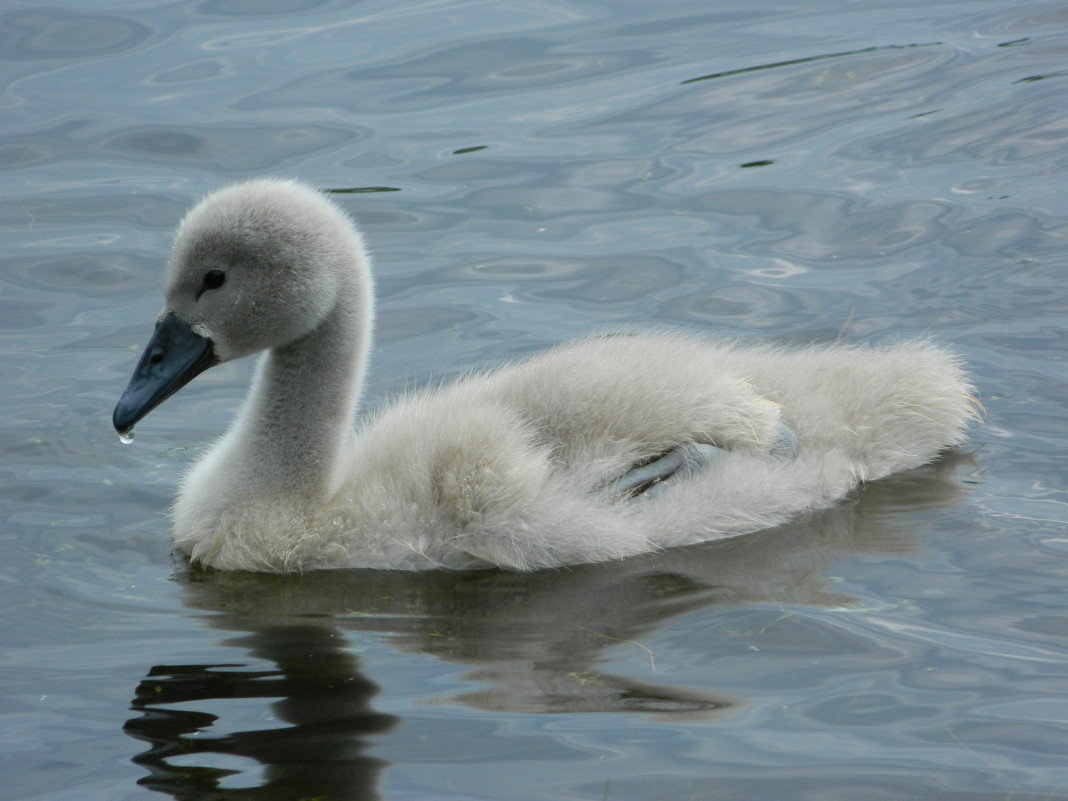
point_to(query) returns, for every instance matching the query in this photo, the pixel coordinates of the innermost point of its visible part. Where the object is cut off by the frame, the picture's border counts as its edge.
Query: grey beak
(174, 356)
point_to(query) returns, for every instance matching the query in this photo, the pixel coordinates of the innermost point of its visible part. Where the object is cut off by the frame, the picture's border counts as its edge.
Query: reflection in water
(532, 641)
(807, 60)
(322, 697)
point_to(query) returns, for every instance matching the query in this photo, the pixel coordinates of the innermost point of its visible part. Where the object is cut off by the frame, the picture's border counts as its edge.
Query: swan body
(594, 450)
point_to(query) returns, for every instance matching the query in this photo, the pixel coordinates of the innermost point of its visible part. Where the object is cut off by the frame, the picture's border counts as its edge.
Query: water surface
(802, 172)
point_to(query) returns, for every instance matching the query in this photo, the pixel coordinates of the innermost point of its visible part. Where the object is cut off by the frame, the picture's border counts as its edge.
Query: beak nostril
(173, 357)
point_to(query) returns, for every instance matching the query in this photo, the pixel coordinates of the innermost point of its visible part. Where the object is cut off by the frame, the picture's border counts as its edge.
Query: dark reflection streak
(320, 693)
(806, 60)
(1033, 78)
(362, 190)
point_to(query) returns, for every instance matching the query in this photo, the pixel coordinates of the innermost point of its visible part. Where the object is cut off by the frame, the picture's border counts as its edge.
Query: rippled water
(524, 172)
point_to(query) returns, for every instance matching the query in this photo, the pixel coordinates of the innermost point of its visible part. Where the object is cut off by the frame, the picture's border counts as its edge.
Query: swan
(595, 450)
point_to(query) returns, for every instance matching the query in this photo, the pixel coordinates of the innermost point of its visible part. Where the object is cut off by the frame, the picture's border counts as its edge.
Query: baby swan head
(258, 265)
(255, 265)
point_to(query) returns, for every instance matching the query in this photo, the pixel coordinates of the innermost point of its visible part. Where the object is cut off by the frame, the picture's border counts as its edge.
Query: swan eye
(213, 279)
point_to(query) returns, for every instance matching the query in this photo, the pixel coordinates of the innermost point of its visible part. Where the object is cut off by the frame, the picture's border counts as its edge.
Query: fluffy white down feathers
(512, 467)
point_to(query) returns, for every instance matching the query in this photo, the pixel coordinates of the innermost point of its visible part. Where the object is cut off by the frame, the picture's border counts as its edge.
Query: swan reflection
(532, 643)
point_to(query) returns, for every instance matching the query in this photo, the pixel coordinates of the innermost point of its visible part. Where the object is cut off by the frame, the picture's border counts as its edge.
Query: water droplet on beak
(127, 438)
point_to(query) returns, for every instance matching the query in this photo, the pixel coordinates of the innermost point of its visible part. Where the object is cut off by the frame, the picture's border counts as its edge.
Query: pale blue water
(798, 171)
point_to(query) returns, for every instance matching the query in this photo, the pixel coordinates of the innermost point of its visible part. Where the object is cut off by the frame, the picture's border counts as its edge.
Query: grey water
(526, 172)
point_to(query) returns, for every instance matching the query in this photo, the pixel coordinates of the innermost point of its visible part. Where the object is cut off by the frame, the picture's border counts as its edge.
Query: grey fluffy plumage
(507, 467)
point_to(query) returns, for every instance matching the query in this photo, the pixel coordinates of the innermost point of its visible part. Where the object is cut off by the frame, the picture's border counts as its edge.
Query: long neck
(297, 423)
